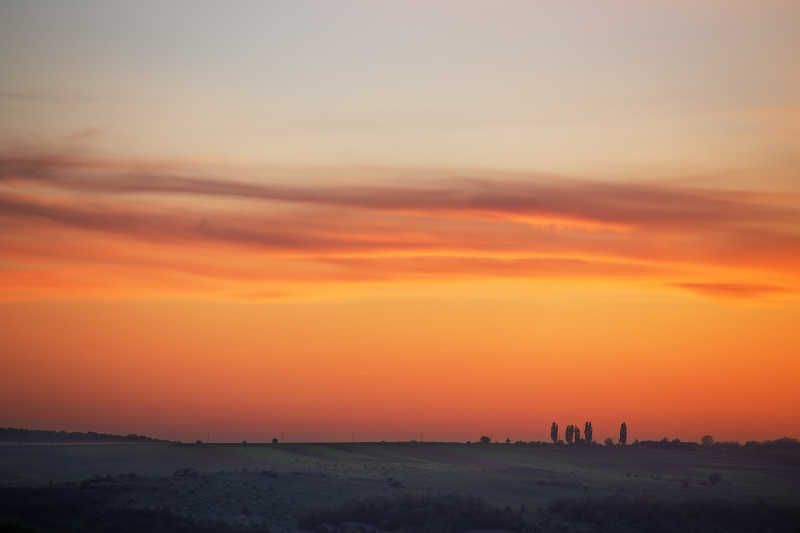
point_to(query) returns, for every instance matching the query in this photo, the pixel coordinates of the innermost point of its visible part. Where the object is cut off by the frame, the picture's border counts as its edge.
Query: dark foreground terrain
(156, 486)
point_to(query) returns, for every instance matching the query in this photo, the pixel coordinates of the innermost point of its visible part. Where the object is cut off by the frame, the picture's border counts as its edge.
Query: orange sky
(390, 219)
(170, 302)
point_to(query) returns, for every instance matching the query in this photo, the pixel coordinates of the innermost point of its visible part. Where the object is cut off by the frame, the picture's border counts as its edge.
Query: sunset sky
(387, 220)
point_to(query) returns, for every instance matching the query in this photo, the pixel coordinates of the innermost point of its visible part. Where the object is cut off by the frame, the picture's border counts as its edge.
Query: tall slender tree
(577, 434)
(587, 432)
(623, 434)
(568, 433)
(554, 432)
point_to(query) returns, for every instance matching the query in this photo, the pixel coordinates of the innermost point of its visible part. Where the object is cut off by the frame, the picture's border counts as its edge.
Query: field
(280, 487)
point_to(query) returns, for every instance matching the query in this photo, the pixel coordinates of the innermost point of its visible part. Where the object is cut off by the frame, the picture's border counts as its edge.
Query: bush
(425, 513)
(627, 514)
(67, 508)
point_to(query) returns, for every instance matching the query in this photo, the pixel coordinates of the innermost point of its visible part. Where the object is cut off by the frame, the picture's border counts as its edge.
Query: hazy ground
(275, 485)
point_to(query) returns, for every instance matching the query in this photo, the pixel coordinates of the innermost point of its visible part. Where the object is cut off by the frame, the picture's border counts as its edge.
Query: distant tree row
(782, 445)
(708, 442)
(40, 435)
(572, 434)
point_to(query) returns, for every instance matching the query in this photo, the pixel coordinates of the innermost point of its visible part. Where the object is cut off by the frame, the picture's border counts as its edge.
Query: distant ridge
(44, 435)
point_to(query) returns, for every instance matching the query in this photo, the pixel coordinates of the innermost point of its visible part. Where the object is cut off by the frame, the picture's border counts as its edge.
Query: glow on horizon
(390, 220)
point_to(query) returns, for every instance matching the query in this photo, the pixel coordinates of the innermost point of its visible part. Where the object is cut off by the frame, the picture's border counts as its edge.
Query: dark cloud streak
(453, 227)
(733, 290)
(655, 207)
(189, 227)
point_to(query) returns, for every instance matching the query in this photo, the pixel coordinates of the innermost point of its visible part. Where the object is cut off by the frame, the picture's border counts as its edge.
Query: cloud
(734, 290)
(175, 226)
(464, 266)
(445, 228)
(86, 134)
(625, 204)
(326, 230)
(41, 96)
(20, 95)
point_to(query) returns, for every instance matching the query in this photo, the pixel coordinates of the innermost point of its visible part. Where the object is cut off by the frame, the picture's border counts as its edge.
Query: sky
(400, 220)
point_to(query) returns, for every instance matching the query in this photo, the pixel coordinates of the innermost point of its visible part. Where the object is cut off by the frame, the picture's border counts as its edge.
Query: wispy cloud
(449, 228)
(40, 96)
(651, 206)
(734, 290)
(86, 134)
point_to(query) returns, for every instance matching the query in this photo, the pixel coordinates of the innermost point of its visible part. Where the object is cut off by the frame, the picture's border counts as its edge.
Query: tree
(623, 434)
(554, 432)
(569, 433)
(587, 432)
(274, 441)
(707, 440)
(577, 435)
(485, 440)
(508, 440)
(609, 442)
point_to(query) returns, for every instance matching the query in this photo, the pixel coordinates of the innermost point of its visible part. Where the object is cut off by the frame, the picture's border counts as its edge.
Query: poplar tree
(623, 434)
(554, 432)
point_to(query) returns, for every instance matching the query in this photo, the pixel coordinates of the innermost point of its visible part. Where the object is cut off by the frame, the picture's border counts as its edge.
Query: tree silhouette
(485, 440)
(554, 432)
(577, 435)
(587, 432)
(623, 433)
(609, 441)
(274, 441)
(707, 440)
(569, 433)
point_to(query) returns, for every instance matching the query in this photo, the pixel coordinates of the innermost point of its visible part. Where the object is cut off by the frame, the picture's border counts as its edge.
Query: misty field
(285, 486)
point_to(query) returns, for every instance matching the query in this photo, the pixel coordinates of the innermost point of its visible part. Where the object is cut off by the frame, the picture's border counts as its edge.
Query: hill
(44, 435)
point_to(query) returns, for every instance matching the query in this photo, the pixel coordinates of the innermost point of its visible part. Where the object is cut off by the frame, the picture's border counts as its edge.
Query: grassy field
(276, 486)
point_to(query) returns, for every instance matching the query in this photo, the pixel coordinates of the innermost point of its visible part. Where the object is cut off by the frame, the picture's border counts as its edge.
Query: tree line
(42, 435)
(572, 434)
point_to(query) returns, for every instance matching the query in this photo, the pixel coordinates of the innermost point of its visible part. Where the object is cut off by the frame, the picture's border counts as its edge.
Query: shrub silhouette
(68, 508)
(609, 441)
(40, 435)
(274, 441)
(419, 513)
(485, 439)
(707, 441)
(629, 514)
